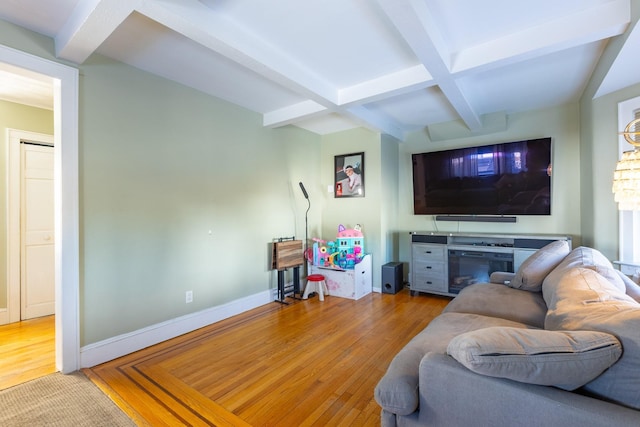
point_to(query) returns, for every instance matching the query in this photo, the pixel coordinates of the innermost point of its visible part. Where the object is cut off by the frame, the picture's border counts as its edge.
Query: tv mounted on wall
(512, 178)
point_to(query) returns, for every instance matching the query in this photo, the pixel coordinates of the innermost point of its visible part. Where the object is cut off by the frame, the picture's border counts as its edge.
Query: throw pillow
(534, 269)
(566, 359)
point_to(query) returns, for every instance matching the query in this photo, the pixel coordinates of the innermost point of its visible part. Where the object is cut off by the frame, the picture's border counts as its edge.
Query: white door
(37, 266)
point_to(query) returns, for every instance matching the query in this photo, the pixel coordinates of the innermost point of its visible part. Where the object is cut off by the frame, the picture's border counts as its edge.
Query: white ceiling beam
(413, 20)
(624, 70)
(597, 23)
(293, 113)
(375, 121)
(393, 84)
(91, 22)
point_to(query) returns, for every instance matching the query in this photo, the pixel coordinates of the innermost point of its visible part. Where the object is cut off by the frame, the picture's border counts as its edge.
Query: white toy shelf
(352, 284)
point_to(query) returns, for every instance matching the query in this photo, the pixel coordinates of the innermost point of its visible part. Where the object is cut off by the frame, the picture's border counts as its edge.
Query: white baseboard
(112, 348)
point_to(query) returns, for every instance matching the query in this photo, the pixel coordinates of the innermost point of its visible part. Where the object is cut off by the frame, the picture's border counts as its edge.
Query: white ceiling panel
(340, 41)
(154, 48)
(416, 107)
(464, 24)
(533, 84)
(45, 17)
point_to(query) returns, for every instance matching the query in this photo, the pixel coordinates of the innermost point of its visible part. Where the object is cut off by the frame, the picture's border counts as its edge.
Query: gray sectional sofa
(555, 344)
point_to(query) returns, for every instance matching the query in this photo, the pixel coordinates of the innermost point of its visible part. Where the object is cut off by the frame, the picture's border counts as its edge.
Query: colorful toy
(344, 253)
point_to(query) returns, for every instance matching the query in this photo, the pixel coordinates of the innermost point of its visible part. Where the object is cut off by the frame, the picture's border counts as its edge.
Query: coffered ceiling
(327, 65)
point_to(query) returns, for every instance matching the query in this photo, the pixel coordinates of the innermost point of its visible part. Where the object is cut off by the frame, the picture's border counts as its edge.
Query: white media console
(444, 263)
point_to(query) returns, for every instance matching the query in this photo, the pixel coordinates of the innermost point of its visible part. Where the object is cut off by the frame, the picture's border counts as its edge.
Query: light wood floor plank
(310, 363)
(28, 351)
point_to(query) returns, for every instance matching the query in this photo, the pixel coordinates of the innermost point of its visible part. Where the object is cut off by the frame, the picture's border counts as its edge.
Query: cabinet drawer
(425, 266)
(425, 282)
(432, 252)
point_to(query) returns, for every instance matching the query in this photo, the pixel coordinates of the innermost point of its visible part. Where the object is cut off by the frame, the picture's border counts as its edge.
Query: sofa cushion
(534, 269)
(587, 258)
(577, 288)
(583, 299)
(498, 300)
(566, 360)
(397, 390)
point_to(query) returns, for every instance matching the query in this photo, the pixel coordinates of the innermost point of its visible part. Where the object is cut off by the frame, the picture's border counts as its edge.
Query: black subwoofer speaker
(392, 278)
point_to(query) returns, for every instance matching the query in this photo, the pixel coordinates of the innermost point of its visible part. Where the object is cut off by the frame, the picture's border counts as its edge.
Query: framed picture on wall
(349, 175)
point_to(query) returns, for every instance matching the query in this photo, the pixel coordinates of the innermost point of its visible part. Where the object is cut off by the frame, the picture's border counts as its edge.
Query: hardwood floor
(310, 363)
(28, 350)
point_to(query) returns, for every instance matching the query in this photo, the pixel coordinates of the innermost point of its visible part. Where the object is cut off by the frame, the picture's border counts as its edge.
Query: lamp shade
(626, 181)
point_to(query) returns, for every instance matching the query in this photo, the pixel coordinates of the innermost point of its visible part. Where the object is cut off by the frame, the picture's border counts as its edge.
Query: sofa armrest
(501, 277)
(451, 395)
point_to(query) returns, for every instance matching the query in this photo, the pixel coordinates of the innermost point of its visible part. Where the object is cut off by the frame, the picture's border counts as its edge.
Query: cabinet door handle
(428, 267)
(427, 252)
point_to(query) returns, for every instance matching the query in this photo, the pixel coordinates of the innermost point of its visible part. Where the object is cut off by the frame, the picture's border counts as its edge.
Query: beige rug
(59, 400)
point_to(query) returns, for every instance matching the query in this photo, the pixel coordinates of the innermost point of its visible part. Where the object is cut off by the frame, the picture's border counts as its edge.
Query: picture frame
(349, 175)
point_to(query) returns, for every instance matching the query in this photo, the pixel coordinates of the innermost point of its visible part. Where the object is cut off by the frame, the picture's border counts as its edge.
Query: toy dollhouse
(344, 253)
(343, 263)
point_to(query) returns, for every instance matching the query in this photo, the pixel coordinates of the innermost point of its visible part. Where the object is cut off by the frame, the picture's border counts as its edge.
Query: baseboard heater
(474, 218)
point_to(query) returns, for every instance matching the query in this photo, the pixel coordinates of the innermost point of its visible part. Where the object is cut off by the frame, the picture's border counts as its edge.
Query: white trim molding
(121, 345)
(628, 221)
(67, 263)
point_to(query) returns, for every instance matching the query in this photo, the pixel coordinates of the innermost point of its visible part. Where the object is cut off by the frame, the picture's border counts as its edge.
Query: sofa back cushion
(582, 299)
(534, 269)
(587, 258)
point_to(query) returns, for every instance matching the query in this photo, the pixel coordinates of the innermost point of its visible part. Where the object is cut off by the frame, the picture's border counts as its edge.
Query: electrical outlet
(189, 297)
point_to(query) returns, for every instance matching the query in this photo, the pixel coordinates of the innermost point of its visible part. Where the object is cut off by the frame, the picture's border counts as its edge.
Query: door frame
(67, 262)
(14, 182)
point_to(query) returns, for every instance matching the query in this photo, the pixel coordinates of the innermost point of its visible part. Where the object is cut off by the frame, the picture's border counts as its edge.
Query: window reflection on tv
(512, 178)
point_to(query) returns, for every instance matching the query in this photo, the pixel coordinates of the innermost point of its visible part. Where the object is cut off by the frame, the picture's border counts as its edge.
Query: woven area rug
(59, 400)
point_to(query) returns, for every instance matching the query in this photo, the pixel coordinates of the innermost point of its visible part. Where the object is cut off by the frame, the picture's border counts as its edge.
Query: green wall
(350, 211)
(599, 142)
(377, 211)
(389, 198)
(179, 191)
(20, 117)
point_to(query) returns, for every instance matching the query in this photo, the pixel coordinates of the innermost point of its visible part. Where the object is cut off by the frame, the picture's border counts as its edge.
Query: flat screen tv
(512, 178)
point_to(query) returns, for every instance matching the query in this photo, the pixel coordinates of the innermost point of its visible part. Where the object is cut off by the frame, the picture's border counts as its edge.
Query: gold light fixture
(626, 178)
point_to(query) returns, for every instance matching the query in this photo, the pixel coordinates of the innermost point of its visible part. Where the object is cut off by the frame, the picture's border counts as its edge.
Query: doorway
(65, 84)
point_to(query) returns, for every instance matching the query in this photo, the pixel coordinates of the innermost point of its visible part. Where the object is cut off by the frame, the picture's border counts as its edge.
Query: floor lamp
(306, 226)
